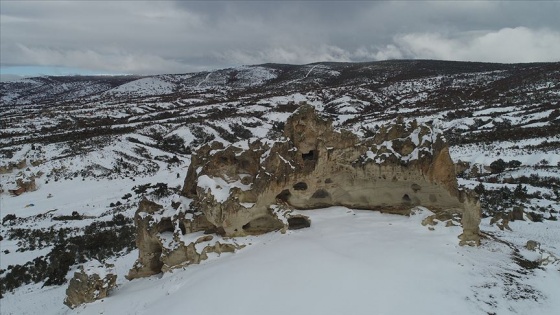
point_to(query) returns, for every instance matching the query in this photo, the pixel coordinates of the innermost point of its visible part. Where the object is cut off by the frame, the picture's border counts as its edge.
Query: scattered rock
(501, 220)
(517, 214)
(444, 217)
(532, 245)
(23, 186)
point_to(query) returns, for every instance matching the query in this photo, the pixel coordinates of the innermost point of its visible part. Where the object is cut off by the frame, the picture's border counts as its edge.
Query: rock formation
(23, 186)
(250, 187)
(89, 284)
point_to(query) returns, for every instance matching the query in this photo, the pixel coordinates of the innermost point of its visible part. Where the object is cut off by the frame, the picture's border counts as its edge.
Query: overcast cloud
(145, 37)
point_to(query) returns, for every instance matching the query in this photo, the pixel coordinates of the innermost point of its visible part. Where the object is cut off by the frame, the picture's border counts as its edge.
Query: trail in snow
(205, 79)
(306, 75)
(315, 66)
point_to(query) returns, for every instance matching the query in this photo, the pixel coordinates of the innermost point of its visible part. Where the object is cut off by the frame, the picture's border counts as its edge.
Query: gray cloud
(182, 36)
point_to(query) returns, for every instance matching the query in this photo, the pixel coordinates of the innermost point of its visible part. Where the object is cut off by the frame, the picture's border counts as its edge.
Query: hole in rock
(284, 195)
(416, 187)
(320, 193)
(296, 223)
(183, 228)
(309, 156)
(165, 225)
(300, 186)
(406, 199)
(262, 225)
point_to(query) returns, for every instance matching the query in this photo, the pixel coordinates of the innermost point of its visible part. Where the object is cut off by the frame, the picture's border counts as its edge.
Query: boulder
(90, 284)
(501, 220)
(532, 245)
(27, 185)
(517, 214)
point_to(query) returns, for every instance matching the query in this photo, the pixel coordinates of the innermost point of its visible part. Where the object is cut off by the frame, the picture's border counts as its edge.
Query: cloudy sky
(147, 37)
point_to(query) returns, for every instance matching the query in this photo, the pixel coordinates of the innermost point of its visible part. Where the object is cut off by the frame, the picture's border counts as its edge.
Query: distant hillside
(89, 148)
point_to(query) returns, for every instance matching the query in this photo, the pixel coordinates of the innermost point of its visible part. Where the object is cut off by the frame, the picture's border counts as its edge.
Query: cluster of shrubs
(12, 219)
(175, 144)
(510, 134)
(158, 190)
(503, 199)
(100, 240)
(129, 165)
(200, 135)
(33, 239)
(276, 130)
(75, 216)
(500, 165)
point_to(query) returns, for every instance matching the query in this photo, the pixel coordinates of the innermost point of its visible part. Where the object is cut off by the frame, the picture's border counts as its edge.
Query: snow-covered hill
(96, 146)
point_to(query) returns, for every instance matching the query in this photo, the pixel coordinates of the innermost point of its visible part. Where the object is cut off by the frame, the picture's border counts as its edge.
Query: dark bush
(141, 189)
(161, 190)
(100, 241)
(498, 166)
(8, 217)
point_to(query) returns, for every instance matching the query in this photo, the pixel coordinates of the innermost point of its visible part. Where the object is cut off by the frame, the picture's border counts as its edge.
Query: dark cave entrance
(309, 156)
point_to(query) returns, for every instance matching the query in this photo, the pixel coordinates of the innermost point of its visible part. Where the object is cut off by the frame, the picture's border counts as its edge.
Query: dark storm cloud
(181, 36)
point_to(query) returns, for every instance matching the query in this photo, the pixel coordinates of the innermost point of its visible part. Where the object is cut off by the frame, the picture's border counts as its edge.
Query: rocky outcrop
(168, 238)
(251, 187)
(402, 166)
(24, 186)
(89, 284)
(546, 258)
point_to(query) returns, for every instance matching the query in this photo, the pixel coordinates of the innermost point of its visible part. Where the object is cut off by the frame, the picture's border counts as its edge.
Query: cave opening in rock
(166, 226)
(296, 223)
(320, 193)
(300, 186)
(284, 195)
(262, 225)
(406, 199)
(309, 156)
(183, 228)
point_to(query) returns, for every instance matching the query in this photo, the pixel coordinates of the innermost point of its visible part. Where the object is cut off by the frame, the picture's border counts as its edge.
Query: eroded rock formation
(89, 284)
(249, 188)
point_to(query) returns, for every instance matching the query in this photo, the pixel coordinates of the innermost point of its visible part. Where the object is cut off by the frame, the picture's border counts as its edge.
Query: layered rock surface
(249, 188)
(89, 284)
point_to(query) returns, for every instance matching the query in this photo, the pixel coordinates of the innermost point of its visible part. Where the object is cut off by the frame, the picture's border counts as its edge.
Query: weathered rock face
(23, 186)
(169, 239)
(402, 166)
(89, 285)
(251, 187)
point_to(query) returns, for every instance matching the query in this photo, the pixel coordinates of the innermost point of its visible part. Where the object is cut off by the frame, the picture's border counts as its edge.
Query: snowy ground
(348, 262)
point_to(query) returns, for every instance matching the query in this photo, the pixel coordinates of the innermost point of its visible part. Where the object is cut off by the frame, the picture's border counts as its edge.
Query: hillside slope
(95, 146)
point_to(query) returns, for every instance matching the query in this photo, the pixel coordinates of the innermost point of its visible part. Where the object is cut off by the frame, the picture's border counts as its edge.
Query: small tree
(520, 192)
(479, 189)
